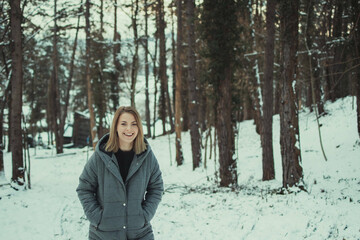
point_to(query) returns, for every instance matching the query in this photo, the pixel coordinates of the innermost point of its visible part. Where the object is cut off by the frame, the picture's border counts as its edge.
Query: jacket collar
(111, 163)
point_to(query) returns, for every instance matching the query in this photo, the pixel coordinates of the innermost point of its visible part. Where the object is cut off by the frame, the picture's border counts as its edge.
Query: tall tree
(5, 83)
(147, 99)
(219, 24)
(192, 86)
(99, 56)
(289, 123)
(53, 88)
(114, 96)
(18, 176)
(268, 99)
(135, 60)
(93, 129)
(178, 81)
(70, 77)
(165, 98)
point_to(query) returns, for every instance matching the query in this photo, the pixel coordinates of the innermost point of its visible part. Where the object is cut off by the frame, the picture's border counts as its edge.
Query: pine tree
(178, 83)
(266, 136)
(289, 123)
(192, 86)
(18, 176)
(93, 129)
(219, 32)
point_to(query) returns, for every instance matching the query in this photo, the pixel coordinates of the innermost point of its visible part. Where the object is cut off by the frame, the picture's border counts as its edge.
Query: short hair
(139, 144)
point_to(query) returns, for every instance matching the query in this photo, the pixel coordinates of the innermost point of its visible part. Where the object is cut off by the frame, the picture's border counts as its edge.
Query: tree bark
(355, 16)
(266, 136)
(225, 132)
(192, 87)
(156, 79)
(93, 129)
(18, 176)
(147, 99)
(289, 126)
(173, 54)
(117, 66)
(54, 96)
(135, 60)
(165, 98)
(178, 81)
(3, 104)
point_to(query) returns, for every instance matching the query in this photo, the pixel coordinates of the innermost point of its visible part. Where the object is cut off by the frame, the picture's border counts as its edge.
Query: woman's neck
(126, 146)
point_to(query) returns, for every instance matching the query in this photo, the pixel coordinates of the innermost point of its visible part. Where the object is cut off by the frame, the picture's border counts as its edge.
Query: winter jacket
(117, 209)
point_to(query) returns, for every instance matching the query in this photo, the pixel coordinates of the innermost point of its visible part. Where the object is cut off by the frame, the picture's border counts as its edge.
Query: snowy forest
(252, 109)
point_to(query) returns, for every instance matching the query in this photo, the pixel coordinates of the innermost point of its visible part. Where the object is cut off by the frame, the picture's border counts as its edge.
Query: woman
(121, 186)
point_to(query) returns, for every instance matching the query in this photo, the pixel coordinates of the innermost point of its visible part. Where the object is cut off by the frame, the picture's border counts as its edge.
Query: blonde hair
(139, 144)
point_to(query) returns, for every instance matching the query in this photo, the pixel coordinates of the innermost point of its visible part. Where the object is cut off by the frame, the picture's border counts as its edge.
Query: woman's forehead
(127, 117)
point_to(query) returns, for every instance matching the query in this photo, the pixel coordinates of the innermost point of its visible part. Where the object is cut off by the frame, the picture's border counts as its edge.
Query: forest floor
(193, 207)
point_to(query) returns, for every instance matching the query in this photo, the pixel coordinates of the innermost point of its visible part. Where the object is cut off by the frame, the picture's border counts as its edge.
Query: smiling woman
(121, 186)
(127, 131)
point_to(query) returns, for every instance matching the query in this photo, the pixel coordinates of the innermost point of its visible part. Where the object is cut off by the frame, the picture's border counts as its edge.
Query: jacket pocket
(138, 227)
(113, 216)
(98, 223)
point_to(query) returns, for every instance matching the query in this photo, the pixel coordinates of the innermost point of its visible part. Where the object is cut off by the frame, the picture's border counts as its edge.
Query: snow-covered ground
(193, 207)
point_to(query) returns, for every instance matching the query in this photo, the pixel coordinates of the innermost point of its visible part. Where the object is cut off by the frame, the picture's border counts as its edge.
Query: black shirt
(124, 159)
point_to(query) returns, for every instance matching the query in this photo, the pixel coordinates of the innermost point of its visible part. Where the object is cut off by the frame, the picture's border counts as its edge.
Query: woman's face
(127, 130)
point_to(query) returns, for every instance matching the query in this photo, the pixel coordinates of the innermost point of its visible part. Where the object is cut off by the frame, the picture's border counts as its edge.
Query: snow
(193, 207)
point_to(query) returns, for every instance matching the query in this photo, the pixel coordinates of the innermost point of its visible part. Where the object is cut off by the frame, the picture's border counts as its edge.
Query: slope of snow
(193, 207)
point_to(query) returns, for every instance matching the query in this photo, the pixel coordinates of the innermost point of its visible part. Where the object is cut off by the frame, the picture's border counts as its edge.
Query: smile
(129, 134)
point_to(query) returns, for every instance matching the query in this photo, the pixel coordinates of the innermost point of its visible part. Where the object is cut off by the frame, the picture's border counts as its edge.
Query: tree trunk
(135, 60)
(356, 31)
(219, 19)
(192, 87)
(18, 176)
(99, 95)
(173, 54)
(289, 126)
(156, 79)
(165, 98)
(255, 82)
(184, 102)
(225, 132)
(178, 87)
(93, 129)
(358, 100)
(147, 99)
(117, 66)
(266, 136)
(54, 96)
(3, 102)
(69, 80)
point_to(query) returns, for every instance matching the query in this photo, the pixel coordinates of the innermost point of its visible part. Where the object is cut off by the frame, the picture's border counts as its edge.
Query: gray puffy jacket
(118, 210)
